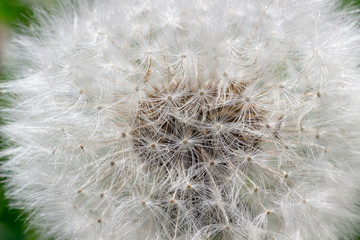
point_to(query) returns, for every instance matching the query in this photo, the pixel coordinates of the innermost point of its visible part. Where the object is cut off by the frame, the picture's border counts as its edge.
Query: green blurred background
(14, 13)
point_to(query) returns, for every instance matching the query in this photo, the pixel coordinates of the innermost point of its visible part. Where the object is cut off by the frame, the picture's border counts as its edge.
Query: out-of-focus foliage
(12, 11)
(355, 3)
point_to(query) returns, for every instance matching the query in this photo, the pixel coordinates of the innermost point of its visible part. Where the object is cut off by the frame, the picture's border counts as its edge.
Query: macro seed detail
(188, 126)
(182, 130)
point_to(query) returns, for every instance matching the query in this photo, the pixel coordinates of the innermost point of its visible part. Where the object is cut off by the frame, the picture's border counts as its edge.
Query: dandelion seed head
(186, 120)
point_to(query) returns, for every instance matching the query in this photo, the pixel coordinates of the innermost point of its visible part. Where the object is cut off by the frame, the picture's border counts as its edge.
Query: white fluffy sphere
(186, 119)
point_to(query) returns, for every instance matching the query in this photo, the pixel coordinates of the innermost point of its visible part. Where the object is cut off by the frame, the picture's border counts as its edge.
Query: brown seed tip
(79, 191)
(286, 175)
(202, 93)
(172, 200)
(153, 145)
(303, 201)
(188, 186)
(112, 163)
(247, 99)
(227, 227)
(318, 94)
(82, 147)
(101, 195)
(169, 98)
(99, 220)
(268, 212)
(123, 134)
(143, 202)
(267, 125)
(185, 141)
(256, 189)
(212, 163)
(99, 107)
(248, 159)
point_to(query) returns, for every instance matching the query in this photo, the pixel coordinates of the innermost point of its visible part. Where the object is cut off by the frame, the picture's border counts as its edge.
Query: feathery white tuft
(186, 119)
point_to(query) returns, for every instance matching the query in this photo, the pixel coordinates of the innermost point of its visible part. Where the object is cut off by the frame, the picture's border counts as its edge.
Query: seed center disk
(183, 125)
